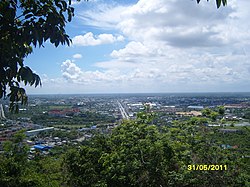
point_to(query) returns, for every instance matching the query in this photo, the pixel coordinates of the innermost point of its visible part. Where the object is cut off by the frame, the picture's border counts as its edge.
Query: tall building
(2, 115)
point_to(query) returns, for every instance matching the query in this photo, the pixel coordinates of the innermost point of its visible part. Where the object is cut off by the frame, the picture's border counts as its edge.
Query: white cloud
(90, 40)
(77, 56)
(173, 46)
(72, 73)
(76, 2)
(103, 15)
(192, 70)
(181, 24)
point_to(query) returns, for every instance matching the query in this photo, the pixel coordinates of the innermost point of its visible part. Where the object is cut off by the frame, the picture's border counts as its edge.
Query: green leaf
(64, 5)
(28, 16)
(218, 3)
(28, 23)
(68, 41)
(57, 43)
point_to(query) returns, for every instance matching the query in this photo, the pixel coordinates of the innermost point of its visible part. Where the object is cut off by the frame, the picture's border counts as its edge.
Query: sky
(149, 46)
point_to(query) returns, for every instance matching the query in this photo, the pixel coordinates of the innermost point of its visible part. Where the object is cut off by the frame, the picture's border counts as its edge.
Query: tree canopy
(135, 153)
(138, 153)
(218, 2)
(25, 24)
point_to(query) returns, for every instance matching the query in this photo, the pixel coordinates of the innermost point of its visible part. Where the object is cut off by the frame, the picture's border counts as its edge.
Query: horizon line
(115, 93)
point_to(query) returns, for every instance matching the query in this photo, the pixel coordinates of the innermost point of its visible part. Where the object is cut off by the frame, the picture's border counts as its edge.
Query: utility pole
(2, 115)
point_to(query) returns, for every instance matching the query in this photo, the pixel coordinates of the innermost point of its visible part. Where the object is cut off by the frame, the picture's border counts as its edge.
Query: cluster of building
(64, 112)
(9, 127)
(173, 107)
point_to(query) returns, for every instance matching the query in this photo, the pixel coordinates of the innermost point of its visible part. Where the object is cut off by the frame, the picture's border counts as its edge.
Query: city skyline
(148, 46)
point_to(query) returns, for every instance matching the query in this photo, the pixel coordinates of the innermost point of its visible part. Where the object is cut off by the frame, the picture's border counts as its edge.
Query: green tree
(194, 146)
(16, 170)
(25, 24)
(13, 163)
(138, 154)
(135, 154)
(218, 2)
(221, 110)
(247, 114)
(210, 114)
(206, 112)
(214, 115)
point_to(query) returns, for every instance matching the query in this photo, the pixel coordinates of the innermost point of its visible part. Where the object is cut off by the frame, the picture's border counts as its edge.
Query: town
(67, 134)
(54, 120)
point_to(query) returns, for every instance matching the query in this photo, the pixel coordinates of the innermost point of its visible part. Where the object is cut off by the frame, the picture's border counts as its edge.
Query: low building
(196, 107)
(42, 147)
(191, 113)
(36, 131)
(213, 125)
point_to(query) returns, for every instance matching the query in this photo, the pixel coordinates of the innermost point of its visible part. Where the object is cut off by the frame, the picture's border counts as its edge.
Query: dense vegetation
(136, 153)
(24, 25)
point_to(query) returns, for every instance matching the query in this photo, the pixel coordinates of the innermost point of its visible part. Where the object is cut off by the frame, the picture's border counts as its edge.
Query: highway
(123, 112)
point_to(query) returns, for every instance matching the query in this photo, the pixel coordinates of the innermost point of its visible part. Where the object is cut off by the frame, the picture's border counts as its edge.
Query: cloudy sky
(149, 46)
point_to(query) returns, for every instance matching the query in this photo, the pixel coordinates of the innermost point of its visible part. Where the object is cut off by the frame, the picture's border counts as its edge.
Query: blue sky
(149, 46)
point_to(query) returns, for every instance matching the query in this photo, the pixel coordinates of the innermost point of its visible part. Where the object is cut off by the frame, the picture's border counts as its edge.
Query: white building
(36, 131)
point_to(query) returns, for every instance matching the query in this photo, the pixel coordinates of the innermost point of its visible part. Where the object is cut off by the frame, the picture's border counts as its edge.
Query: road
(123, 112)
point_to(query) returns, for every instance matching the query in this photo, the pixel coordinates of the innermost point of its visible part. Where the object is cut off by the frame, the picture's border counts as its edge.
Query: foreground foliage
(134, 154)
(138, 153)
(25, 24)
(218, 2)
(17, 171)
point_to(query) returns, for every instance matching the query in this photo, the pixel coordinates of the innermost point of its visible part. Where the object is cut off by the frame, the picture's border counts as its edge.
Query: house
(42, 147)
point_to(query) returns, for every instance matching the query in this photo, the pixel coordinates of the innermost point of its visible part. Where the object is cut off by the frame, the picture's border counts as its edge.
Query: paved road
(123, 112)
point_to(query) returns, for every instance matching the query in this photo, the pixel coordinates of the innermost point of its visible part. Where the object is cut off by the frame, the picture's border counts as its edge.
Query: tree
(210, 113)
(135, 154)
(247, 114)
(25, 24)
(221, 110)
(13, 162)
(218, 2)
(16, 170)
(139, 154)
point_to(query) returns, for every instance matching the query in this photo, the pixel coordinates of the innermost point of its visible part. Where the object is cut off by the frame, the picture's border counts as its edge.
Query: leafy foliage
(210, 113)
(137, 153)
(133, 155)
(16, 170)
(218, 2)
(25, 24)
